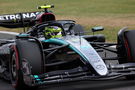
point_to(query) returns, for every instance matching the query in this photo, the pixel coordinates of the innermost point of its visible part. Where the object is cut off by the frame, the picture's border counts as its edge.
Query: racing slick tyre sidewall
(16, 72)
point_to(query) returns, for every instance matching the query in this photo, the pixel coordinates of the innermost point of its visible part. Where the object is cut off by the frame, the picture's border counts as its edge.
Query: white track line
(10, 33)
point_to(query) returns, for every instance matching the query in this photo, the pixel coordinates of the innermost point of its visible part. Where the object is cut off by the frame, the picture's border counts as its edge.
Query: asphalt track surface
(118, 84)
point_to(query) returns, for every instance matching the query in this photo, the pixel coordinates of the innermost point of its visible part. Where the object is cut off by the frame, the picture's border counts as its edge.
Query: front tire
(16, 73)
(26, 60)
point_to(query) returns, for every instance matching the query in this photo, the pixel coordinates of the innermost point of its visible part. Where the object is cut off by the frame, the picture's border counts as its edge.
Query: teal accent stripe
(77, 51)
(36, 76)
(56, 41)
(23, 35)
(62, 42)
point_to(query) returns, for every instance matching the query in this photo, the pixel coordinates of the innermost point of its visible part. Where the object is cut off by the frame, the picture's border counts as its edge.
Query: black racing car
(57, 51)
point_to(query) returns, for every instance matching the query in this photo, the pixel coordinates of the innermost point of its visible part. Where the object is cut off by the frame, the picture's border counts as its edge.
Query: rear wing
(18, 19)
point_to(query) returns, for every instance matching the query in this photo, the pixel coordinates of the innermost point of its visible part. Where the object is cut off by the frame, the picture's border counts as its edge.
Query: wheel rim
(14, 68)
(26, 67)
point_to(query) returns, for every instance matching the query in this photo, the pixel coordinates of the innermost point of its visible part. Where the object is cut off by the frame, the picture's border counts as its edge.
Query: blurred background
(111, 14)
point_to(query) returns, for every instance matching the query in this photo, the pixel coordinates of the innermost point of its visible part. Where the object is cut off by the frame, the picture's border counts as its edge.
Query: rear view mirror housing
(99, 28)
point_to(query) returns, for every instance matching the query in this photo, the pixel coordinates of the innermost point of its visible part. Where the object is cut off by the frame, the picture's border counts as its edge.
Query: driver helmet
(53, 32)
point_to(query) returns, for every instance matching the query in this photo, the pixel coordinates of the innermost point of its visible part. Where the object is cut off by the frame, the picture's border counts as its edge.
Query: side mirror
(99, 28)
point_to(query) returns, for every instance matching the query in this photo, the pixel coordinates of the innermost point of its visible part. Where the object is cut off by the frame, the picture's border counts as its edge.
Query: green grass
(74, 7)
(112, 14)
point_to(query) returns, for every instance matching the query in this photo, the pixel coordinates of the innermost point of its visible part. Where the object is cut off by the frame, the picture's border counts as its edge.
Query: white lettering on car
(17, 16)
(32, 15)
(26, 15)
(13, 17)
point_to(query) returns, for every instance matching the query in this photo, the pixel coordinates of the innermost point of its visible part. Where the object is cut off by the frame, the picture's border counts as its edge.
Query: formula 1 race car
(57, 51)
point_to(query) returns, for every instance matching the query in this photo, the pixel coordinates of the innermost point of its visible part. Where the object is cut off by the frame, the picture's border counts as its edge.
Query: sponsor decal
(17, 16)
(100, 67)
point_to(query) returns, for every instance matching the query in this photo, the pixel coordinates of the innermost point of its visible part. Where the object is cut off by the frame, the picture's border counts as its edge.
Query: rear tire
(122, 50)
